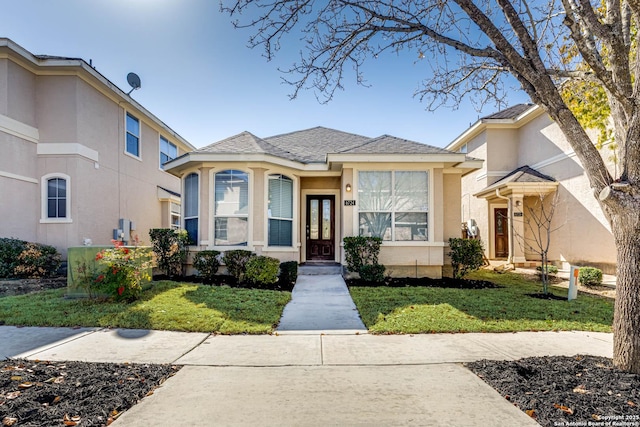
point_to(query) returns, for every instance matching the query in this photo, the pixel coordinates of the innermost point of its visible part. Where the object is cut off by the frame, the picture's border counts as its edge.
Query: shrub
(372, 273)
(123, 271)
(288, 275)
(262, 271)
(466, 256)
(236, 261)
(551, 269)
(207, 264)
(170, 247)
(31, 260)
(590, 276)
(361, 251)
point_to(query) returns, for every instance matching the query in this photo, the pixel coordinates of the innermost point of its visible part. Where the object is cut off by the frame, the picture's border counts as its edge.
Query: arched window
(280, 210)
(231, 211)
(56, 202)
(191, 196)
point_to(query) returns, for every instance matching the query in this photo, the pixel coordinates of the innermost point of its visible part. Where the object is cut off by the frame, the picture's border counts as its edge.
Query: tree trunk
(626, 321)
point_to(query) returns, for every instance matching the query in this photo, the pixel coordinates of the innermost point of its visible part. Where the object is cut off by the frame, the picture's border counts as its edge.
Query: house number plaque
(349, 202)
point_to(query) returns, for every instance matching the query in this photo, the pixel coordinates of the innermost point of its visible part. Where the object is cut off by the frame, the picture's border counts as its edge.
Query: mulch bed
(445, 282)
(39, 393)
(25, 286)
(566, 391)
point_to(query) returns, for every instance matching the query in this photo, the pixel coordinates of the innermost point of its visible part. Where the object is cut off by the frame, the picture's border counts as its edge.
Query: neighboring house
(295, 196)
(80, 156)
(525, 156)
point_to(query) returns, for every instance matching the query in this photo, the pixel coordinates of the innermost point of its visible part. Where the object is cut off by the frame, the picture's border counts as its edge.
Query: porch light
(348, 188)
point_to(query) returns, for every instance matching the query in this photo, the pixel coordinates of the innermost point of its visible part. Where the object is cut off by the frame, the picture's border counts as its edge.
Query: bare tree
(538, 220)
(472, 47)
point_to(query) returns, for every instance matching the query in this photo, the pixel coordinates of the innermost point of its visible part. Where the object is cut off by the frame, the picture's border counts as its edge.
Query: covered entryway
(320, 228)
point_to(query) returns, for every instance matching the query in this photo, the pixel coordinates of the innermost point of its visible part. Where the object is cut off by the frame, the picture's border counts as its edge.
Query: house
(82, 160)
(528, 161)
(295, 196)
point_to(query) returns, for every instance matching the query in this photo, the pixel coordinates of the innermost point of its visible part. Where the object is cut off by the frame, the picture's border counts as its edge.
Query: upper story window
(168, 151)
(231, 211)
(191, 196)
(56, 201)
(133, 136)
(463, 149)
(280, 211)
(393, 205)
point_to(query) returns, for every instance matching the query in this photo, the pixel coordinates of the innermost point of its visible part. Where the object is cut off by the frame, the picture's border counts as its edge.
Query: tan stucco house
(525, 156)
(295, 196)
(81, 158)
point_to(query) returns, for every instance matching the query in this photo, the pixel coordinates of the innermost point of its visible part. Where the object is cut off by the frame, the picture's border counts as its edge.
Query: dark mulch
(445, 282)
(548, 296)
(38, 393)
(24, 286)
(567, 391)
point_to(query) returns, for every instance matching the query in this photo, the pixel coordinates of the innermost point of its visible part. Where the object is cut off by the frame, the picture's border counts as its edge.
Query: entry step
(317, 270)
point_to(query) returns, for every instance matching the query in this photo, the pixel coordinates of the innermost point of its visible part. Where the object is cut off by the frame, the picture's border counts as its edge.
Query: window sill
(56, 221)
(133, 156)
(280, 249)
(413, 243)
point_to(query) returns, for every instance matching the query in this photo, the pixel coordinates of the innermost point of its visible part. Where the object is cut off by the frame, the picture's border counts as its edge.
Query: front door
(501, 228)
(320, 228)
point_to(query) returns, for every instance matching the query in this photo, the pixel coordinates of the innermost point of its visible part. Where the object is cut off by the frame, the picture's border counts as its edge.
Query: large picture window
(231, 211)
(394, 205)
(191, 190)
(280, 210)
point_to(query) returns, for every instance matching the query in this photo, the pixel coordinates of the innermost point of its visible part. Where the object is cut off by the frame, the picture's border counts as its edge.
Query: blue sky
(199, 76)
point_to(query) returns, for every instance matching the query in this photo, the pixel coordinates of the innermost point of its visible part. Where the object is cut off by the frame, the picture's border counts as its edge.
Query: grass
(408, 310)
(166, 306)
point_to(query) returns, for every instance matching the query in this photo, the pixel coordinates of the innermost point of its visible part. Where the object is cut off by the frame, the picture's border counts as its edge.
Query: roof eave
(178, 165)
(396, 158)
(518, 188)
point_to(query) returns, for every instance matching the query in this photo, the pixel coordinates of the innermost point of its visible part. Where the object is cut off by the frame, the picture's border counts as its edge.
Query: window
(280, 210)
(133, 136)
(463, 149)
(231, 211)
(175, 216)
(393, 204)
(191, 207)
(55, 198)
(168, 151)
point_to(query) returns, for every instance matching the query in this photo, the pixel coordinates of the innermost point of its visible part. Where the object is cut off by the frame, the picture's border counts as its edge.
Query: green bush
(361, 251)
(235, 261)
(288, 275)
(466, 256)
(372, 273)
(170, 247)
(29, 260)
(262, 271)
(551, 269)
(207, 264)
(590, 276)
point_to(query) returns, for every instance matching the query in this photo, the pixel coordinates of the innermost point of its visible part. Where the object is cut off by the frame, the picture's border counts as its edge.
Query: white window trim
(44, 196)
(160, 151)
(183, 205)
(212, 215)
(296, 203)
(430, 226)
(133, 156)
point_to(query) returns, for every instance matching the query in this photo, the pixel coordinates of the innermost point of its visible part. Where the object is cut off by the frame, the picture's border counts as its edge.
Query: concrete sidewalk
(309, 380)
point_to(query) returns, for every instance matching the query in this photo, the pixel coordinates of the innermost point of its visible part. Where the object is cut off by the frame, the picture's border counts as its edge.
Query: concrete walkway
(321, 303)
(309, 380)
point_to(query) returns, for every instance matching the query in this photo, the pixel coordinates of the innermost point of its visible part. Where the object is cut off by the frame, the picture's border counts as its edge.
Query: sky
(200, 77)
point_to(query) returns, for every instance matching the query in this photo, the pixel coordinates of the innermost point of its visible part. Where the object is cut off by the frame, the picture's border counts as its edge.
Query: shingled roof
(532, 182)
(525, 174)
(387, 144)
(510, 113)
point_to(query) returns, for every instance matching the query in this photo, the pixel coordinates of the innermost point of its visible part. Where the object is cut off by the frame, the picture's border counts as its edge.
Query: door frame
(492, 226)
(506, 231)
(337, 218)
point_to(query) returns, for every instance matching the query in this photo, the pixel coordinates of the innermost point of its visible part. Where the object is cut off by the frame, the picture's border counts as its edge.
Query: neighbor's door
(501, 228)
(320, 228)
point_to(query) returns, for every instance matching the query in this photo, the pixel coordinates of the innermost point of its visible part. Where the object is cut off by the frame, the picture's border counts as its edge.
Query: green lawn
(166, 306)
(408, 310)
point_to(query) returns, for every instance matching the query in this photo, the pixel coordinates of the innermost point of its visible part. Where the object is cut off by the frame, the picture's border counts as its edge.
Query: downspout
(509, 223)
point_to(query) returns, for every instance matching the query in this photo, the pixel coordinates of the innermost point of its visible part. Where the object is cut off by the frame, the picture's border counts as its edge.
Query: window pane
(411, 226)
(326, 219)
(375, 225)
(52, 208)
(280, 232)
(374, 191)
(62, 208)
(232, 193)
(191, 225)
(231, 231)
(132, 145)
(133, 125)
(163, 159)
(314, 216)
(191, 195)
(52, 187)
(62, 187)
(280, 197)
(411, 192)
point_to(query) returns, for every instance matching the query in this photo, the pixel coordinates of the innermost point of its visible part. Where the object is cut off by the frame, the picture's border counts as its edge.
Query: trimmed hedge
(21, 259)
(207, 264)
(590, 276)
(235, 261)
(466, 256)
(288, 275)
(262, 271)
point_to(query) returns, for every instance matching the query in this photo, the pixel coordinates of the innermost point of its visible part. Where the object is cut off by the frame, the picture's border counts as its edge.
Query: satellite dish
(134, 82)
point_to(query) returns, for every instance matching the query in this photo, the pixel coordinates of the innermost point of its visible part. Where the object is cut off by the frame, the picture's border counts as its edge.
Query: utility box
(573, 283)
